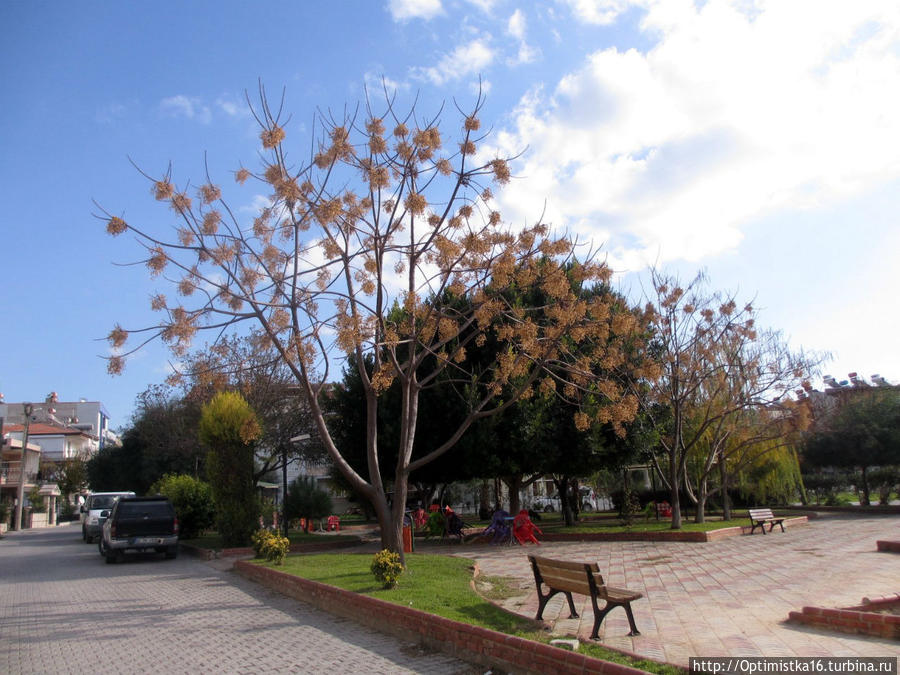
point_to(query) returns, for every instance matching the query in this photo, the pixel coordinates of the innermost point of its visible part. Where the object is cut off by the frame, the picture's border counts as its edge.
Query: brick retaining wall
(471, 643)
(864, 619)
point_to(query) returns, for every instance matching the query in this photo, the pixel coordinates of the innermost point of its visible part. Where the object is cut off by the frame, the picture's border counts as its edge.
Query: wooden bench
(560, 576)
(759, 518)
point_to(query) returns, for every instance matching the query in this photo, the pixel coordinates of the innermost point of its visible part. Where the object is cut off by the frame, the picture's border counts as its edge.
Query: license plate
(148, 540)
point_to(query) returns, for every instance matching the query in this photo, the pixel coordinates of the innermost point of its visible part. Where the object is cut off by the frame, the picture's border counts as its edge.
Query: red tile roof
(41, 429)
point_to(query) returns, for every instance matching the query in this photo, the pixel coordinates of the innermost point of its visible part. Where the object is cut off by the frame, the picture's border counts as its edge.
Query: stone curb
(471, 643)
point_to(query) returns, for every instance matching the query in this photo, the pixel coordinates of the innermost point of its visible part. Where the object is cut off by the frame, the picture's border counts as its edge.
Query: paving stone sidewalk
(725, 598)
(63, 610)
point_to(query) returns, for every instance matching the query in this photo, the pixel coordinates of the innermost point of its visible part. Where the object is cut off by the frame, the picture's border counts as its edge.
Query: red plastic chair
(524, 529)
(334, 523)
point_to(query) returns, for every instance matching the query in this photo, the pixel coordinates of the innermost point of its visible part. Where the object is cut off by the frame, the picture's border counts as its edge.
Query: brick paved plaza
(724, 598)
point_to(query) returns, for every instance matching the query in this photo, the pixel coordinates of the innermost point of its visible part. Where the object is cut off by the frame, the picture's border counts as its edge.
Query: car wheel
(587, 508)
(110, 556)
(172, 553)
(548, 508)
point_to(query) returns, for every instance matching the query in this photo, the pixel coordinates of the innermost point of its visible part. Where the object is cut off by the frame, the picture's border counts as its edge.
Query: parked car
(90, 512)
(139, 524)
(547, 503)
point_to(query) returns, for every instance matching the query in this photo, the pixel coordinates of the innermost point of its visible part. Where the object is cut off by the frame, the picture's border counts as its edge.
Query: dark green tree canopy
(864, 432)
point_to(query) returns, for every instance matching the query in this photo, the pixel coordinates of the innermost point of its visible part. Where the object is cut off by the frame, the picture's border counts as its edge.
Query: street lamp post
(20, 502)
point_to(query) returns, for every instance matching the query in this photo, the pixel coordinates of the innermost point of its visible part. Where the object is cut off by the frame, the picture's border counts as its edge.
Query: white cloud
(470, 58)
(232, 108)
(516, 25)
(191, 108)
(482, 86)
(599, 12)
(377, 83)
(403, 10)
(110, 113)
(728, 118)
(485, 6)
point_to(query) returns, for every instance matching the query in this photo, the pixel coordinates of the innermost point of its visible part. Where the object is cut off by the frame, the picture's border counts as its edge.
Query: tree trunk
(398, 510)
(562, 488)
(484, 501)
(514, 484)
(700, 516)
(726, 500)
(864, 500)
(576, 499)
(674, 497)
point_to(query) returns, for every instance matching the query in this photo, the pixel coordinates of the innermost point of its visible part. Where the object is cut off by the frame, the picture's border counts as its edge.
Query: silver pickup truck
(139, 524)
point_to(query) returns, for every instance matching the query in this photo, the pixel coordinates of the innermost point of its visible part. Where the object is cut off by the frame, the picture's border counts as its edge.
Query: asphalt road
(64, 610)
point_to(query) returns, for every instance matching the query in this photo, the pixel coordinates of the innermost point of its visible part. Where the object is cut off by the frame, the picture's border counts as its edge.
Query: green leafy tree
(161, 439)
(306, 500)
(36, 499)
(193, 502)
(863, 433)
(71, 476)
(229, 429)
(118, 467)
(249, 364)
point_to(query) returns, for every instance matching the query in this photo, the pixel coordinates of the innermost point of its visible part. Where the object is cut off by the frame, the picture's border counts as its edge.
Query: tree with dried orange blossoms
(716, 370)
(365, 249)
(746, 409)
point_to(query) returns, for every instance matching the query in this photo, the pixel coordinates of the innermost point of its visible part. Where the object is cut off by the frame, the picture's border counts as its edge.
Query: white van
(90, 512)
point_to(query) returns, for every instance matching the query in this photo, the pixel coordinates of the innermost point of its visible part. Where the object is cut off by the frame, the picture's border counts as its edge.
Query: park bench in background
(759, 518)
(560, 576)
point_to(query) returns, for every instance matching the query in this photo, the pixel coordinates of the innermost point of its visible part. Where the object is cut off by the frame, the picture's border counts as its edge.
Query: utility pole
(20, 494)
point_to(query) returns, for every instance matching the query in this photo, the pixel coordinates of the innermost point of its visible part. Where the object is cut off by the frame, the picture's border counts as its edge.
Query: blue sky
(757, 140)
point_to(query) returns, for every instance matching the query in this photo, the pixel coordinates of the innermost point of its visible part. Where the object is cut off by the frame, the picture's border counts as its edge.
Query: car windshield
(103, 502)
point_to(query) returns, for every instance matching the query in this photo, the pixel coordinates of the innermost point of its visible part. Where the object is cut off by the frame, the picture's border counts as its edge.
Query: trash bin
(407, 539)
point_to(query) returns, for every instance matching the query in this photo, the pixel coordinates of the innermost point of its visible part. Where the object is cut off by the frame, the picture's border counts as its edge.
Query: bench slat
(549, 563)
(565, 584)
(621, 594)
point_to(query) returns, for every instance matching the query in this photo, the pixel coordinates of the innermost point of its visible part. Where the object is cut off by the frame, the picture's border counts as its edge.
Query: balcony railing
(11, 475)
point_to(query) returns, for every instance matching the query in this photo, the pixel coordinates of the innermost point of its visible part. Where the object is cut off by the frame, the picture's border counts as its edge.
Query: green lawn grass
(640, 524)
(610, 522)
(440, 585)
